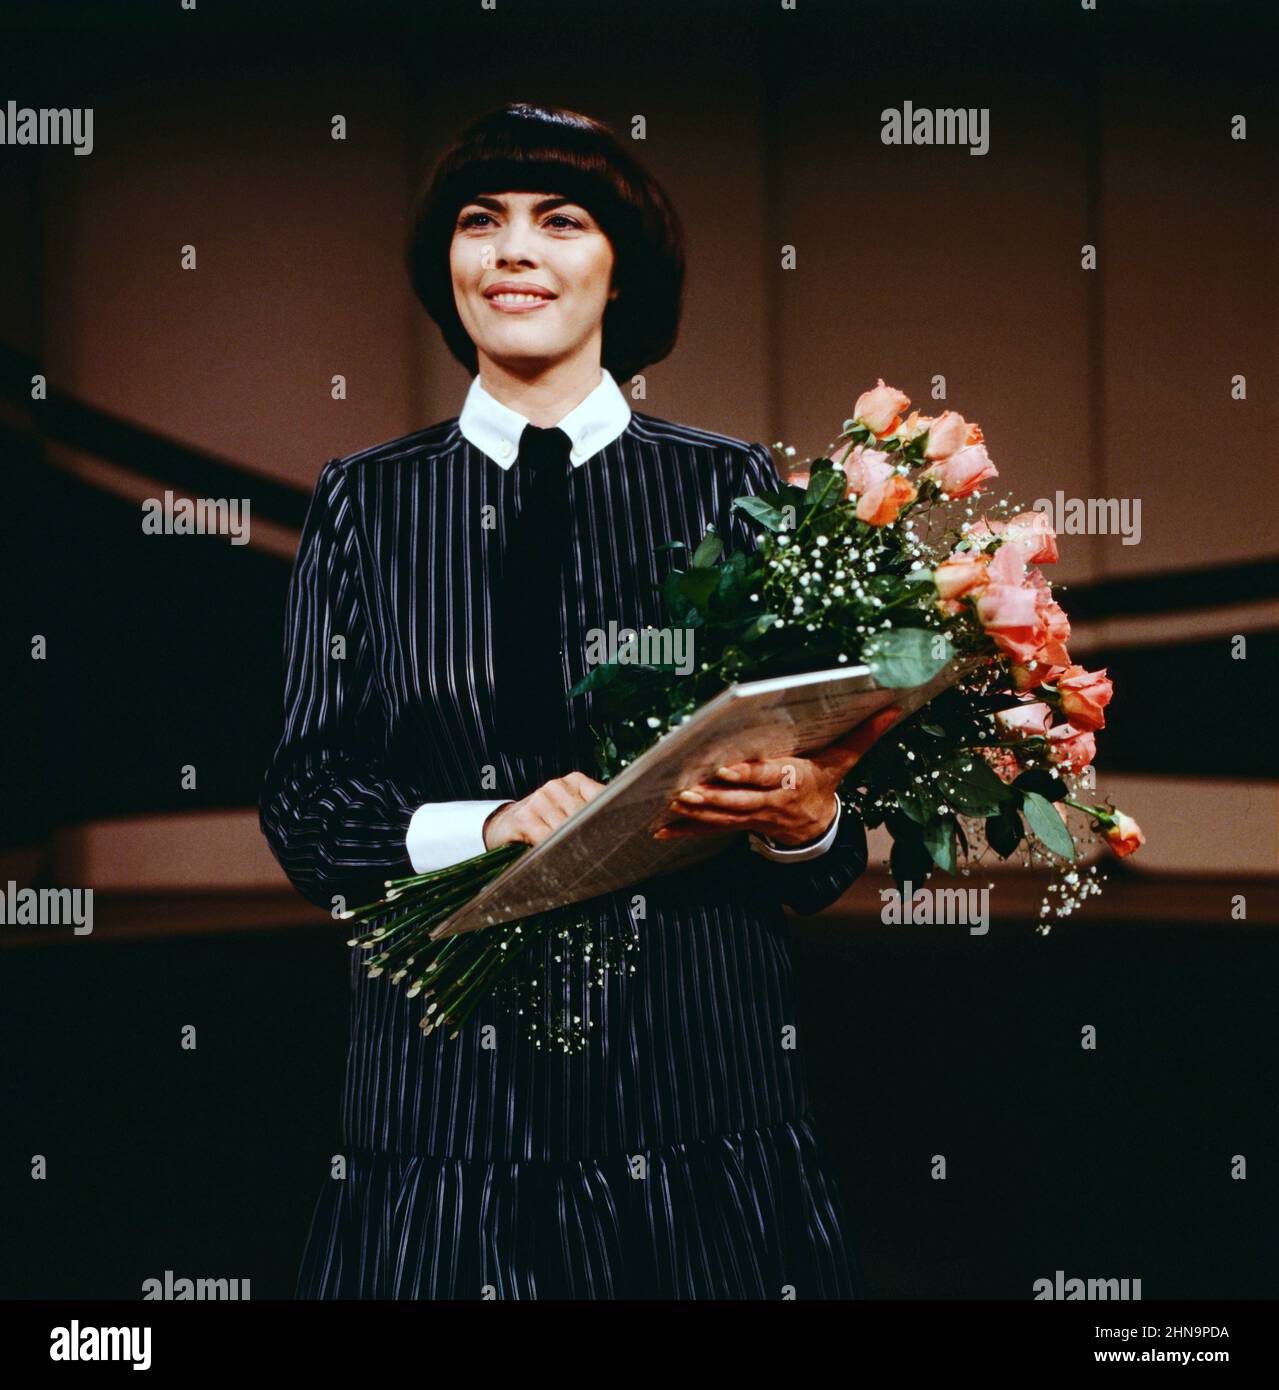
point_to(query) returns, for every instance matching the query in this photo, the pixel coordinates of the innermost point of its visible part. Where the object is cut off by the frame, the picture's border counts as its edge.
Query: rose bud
(1034, 533)
(1032, 675)
(880, 504)
(1123, 834)
(1084, 696)
(964, 472)
(880, 408)
(1032, 718)
(1071, 747)
(1011, 618)
(948, 433)
(961, 573)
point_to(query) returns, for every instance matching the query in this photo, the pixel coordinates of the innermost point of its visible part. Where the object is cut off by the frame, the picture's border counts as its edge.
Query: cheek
(464, 267)
(589, 270)
(604, 267)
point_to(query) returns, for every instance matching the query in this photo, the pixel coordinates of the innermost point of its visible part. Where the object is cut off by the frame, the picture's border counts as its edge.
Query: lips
(517, 288)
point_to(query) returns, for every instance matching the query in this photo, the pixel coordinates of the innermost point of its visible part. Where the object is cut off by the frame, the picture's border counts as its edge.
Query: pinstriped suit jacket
(397, 561)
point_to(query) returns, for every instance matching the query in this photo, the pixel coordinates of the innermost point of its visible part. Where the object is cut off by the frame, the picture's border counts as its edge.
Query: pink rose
(1011, 617)
(963, 472)
(1034, 533)
(983, 530)
(1031, 718)
(1071, 747)
(881, 491)
(960, 574)
(865, 469)
(1056, 632)
(881, 504)
(798, 478)
(1124, 835)
(948, 433)
(914, 425)
(1034, 674)
(1084, 696)
(1056, 623)
(1008, 566)
(879, 409)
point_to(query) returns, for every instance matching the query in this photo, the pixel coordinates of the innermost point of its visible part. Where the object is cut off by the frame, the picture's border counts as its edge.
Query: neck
(544, 397)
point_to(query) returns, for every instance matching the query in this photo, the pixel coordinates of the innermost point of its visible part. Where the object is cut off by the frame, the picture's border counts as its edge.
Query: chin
(523, 355)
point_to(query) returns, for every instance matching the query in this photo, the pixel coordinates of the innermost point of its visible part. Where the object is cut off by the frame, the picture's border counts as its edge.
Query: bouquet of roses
(875, 554)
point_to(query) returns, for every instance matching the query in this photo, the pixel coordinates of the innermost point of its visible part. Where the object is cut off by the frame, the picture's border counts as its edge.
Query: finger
(586, 786)
(723, 798)
(760, 772)
(556, 797)
(533, 826)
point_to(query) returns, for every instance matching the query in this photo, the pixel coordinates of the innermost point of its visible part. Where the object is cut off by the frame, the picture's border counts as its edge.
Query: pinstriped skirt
(751, 1215)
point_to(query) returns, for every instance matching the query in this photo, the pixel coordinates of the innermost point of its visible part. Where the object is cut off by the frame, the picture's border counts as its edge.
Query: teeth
(518, 298)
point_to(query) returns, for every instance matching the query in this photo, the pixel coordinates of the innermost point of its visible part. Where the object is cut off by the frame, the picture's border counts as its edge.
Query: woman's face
(556, 264)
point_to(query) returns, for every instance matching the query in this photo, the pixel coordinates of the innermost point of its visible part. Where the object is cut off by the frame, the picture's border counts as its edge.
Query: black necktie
(532, 705)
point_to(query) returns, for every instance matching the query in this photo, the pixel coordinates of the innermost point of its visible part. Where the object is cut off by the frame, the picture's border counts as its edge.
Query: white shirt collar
(495, 428)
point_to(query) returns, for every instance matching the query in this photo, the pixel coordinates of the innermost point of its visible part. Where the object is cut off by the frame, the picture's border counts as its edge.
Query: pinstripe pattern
(484, 1161)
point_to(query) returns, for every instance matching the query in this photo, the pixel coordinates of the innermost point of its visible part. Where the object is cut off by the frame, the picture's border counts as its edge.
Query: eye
(469, 219)
(565, 218)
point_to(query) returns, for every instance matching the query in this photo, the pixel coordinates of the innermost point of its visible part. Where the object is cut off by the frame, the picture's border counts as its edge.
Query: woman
(436, 619)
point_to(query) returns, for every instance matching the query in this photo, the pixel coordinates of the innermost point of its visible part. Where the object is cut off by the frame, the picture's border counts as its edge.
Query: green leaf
(1004, 831)
(765, 513)
(939, 840)
(708, 551)
(913, 805)
(821, 486)
(698, 585)
(671, 545)
(673, 592)
(976, 792)
(733, 579)
(906, 656)
(1047, 825)
(588, 682)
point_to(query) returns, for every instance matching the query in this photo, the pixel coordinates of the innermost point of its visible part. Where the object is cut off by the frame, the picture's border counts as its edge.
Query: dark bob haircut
(543, 149)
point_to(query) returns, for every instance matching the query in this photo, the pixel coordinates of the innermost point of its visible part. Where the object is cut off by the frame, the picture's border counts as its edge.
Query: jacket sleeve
(333, 813)
(813, 884)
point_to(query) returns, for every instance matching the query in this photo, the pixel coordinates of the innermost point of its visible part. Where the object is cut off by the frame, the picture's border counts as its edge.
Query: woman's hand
(791, 800)
(542, 812)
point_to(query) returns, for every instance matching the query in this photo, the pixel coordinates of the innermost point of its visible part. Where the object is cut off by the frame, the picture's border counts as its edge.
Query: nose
(514, 242)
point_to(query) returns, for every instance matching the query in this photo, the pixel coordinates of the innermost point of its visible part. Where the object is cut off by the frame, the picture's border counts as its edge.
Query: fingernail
(727, 774)
(691, 796)
(662, 834)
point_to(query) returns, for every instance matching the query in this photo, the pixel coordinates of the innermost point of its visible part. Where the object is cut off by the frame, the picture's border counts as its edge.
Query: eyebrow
(484, 200)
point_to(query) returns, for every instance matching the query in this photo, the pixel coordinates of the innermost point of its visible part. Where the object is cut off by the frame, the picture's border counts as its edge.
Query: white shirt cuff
(796, 854)
(446, 832)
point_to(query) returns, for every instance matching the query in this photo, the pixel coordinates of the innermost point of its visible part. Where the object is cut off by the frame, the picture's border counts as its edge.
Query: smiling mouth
(511, 299)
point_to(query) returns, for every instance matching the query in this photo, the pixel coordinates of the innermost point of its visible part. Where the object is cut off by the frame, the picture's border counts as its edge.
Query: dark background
(1114, 1163)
